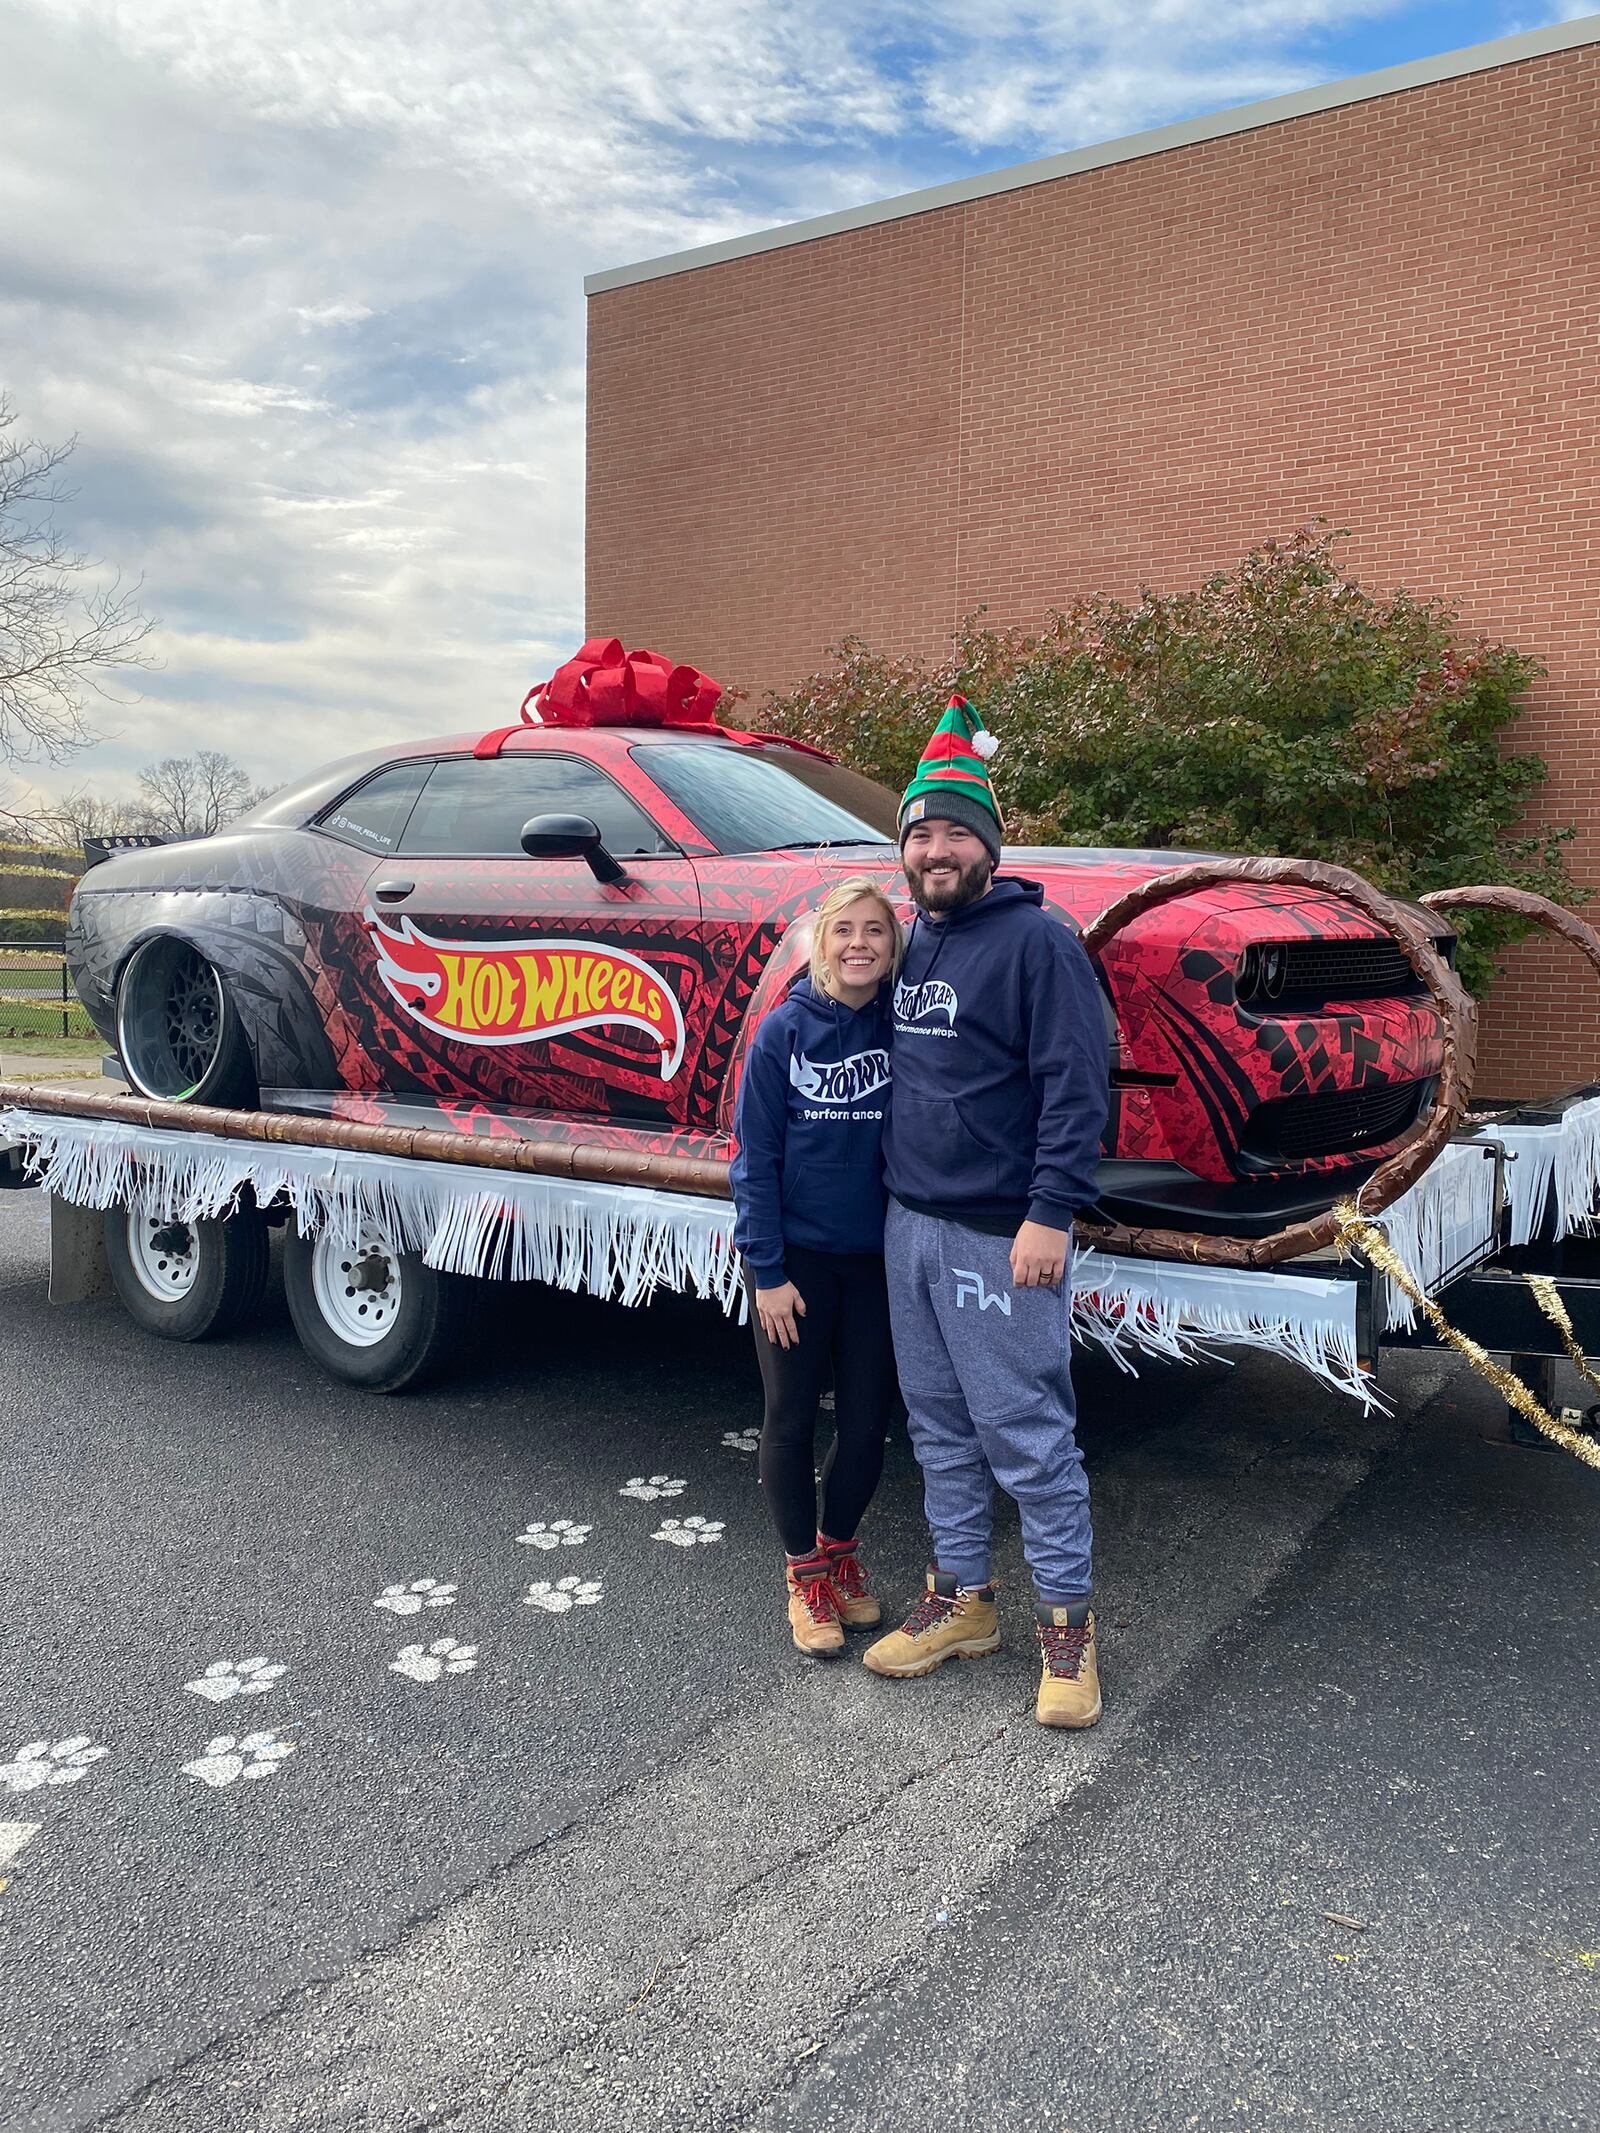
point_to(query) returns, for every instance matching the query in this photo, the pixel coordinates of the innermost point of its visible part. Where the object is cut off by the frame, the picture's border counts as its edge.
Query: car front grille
(1303, 975)
(1291, 1129)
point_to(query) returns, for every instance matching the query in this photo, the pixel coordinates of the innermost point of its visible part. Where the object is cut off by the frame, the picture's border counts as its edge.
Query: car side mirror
(570, 837)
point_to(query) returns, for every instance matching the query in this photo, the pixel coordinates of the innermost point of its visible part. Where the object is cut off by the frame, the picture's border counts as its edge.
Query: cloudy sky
(305, 278)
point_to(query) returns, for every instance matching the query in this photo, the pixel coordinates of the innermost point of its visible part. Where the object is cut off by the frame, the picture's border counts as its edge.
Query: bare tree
(193, 795)
(17, 819)
(64, 636)
(83, 813)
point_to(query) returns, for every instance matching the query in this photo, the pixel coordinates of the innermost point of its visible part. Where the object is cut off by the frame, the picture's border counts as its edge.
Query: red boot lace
(849, 1573)
(1063, 1645)
(817, 1597)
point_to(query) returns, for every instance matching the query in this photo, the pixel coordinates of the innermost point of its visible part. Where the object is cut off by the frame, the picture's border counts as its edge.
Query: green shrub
(21, 925)
(1280, 708)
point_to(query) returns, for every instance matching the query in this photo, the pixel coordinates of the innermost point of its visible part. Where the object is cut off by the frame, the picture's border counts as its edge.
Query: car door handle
(392, 892)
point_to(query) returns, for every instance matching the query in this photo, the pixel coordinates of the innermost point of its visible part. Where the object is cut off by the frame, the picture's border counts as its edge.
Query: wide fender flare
(270, 990)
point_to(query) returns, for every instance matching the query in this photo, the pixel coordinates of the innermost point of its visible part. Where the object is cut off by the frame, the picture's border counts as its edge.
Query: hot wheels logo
(516, 992)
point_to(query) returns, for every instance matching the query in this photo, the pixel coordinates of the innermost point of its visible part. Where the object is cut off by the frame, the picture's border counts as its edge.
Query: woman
(808, 1195)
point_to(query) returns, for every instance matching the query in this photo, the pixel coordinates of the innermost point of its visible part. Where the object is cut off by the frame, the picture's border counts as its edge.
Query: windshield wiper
(812, 844)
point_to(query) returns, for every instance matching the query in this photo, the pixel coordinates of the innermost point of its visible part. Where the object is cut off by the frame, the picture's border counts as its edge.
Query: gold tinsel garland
(1548, 1297)
(1356, 1230)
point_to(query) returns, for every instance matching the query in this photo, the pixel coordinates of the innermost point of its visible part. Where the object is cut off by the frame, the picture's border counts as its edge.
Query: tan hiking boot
(1069, 1677)
(813, 1609)
(948, 1622)
(858, 1603)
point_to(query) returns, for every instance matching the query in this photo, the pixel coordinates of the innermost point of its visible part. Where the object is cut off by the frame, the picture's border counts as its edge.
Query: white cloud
(341, 312)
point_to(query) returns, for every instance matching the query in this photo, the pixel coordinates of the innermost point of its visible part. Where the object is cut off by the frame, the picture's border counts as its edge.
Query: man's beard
(952, 891)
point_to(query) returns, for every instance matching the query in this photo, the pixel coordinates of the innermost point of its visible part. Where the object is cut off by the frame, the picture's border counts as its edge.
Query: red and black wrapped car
(572, 929)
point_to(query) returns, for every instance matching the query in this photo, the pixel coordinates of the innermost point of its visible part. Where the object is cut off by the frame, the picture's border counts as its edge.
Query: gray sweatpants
(986, 1373)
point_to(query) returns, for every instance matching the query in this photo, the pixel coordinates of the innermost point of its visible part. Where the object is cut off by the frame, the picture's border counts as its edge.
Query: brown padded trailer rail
(1459, 1018)
(1522, 903)
(589, 1162)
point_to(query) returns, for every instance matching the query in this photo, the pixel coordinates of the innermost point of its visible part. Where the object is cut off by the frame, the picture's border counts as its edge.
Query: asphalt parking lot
(518, 1823)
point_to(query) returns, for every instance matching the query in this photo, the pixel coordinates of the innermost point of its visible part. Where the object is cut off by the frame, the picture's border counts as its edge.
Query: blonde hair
(860, 888)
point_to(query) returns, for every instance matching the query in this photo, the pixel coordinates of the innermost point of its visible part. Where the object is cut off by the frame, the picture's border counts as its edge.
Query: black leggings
(845, 1329)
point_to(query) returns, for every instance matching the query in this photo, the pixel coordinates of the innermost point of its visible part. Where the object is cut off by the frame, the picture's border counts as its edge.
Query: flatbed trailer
(385, 1250)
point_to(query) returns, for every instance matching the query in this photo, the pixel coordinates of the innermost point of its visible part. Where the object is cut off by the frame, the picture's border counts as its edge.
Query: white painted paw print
(563, 1595)
(49, 1762)
(691, 1532)
(413, 1598)
(428, 1662)
(742, 1440)
(235, 1677)
(559, 1533)
(245, 1755)
(645, 1488)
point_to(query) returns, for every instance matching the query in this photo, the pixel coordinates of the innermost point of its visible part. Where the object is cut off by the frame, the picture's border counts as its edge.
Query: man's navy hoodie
(1001, 1059)
(809, 1123)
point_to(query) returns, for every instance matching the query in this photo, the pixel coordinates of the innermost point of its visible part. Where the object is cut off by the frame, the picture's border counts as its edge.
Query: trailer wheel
(369, 1314)
(187, 1281)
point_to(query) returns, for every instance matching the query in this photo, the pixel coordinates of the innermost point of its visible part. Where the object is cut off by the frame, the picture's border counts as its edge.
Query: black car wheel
(187, 1281)
(371, 1315)
(178, 1032)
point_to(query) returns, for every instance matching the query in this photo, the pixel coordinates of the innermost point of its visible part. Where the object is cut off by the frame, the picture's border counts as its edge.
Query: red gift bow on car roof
(605, 686)
(602, 685)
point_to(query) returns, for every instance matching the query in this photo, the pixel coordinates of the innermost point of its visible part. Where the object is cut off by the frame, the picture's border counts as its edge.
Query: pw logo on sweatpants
(989, 1395)
(969, 1284)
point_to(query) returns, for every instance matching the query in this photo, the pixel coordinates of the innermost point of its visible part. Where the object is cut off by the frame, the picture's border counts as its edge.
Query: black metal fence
(37, 1001)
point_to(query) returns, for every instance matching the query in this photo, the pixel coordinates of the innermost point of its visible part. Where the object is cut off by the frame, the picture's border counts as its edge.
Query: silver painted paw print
(646, 1488)
(691, 1532)
(413, 1598)
(428, 1663)
(742, 1440)
(50, 1762)
(245, 1755)
(564, 1594)
(235, 1677)
(558, 1533)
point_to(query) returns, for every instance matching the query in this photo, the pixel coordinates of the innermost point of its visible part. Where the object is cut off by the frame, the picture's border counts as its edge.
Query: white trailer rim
(357, 1286)
(164, 1255)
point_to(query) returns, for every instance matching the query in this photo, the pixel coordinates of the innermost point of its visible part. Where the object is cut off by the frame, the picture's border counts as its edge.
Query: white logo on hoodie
(919, 1003)
(839, 1081)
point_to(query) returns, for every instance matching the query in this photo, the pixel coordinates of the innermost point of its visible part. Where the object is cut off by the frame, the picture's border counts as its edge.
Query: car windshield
(768, 799)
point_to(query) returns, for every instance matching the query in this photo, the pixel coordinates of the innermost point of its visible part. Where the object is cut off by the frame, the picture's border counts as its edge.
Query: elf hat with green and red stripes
(952, 780)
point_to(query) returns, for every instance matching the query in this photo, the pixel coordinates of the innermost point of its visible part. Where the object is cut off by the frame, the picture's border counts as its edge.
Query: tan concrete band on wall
(1377, 303)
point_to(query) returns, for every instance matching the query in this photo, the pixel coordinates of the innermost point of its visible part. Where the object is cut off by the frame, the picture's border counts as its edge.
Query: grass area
(87, 1051)
(43, 1027)
(31, 1004)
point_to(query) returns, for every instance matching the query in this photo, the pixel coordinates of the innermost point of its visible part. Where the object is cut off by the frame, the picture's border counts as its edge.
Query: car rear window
(476, 807)
(373, 816)
(764, 800)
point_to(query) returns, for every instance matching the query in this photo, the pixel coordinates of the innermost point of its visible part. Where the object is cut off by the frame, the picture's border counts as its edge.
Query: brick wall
(1383, 313)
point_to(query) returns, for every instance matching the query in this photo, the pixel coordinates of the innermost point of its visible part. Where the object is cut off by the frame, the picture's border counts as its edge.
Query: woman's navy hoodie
(1001, 1066)
(809, 1124)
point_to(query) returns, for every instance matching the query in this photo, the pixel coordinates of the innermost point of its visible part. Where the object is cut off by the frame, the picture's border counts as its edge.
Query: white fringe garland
(1566, 1157)
(611, 1240)
(628, 1241)
(1156, 1307)
(1445, 1221)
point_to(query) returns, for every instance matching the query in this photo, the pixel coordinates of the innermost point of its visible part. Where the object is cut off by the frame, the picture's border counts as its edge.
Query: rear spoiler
(96, 850)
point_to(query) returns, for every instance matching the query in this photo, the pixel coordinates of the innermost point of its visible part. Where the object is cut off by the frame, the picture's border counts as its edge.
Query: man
(1000, 1097)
